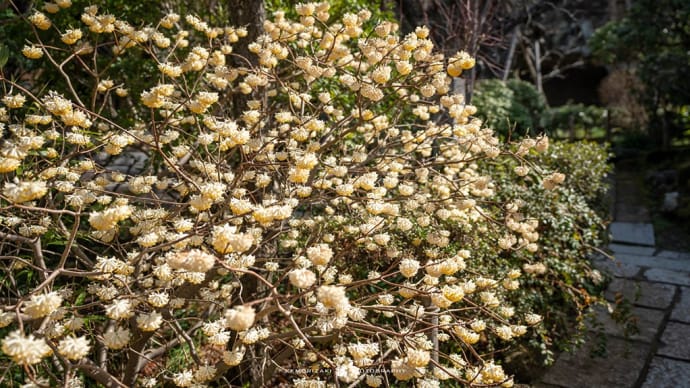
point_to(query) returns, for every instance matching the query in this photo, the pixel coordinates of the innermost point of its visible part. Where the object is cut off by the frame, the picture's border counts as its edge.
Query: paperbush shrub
(332, 233)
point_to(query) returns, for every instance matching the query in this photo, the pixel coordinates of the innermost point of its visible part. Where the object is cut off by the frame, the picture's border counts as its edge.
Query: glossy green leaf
(4, 55)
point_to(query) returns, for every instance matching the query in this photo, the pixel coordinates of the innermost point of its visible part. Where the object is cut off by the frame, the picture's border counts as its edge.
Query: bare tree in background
(469, 25)
(543, 39)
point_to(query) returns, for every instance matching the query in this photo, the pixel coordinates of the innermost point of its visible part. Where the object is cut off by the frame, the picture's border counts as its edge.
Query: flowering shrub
(334, 232)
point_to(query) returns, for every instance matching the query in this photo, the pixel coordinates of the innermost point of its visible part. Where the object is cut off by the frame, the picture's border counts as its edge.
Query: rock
(670, 203)
(130, 162)
(663, 180)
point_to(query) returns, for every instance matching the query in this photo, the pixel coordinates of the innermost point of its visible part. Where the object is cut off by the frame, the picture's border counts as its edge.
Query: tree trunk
(613, 9)
(537, 66)
(511, 52)
(249, 14)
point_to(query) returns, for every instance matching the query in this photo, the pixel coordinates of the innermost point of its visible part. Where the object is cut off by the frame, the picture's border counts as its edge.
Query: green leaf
(4, 55)
(80, 299)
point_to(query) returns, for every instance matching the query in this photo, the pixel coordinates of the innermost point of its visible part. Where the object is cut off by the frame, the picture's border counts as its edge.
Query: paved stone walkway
(654, 351)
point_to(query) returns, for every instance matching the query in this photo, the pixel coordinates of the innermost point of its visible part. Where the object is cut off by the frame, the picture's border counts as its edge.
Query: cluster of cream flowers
(25, 350)
(335, 220)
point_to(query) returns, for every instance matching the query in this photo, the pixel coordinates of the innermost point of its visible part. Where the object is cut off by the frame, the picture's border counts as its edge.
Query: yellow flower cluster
(459, 62)
(24, 191)
(32, 52)
(40, 20)
(194, 261)
(240, 318)
(107, 219)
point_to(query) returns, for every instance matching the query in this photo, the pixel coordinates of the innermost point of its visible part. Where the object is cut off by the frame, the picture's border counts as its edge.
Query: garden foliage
(513, 107)
(572, 222)
(654, 39)
(576, 120)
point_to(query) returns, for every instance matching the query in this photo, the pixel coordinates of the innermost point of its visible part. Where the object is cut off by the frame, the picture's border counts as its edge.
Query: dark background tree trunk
(249, 14)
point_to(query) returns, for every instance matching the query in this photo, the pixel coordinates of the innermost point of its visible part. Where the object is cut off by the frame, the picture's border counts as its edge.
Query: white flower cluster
(25, 350)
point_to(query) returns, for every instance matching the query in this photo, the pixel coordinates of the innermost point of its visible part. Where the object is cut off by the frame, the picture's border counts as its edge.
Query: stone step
(667, 373)
(634, 233)
(654, 262)
(674, 255)
(681, 311)
(619, 368)
(641, 324)
(674, 341)
(639, 293)
(613, 267)
(631, 249)
(681, 278)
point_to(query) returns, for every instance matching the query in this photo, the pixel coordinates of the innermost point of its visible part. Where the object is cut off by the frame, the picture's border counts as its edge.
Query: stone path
(653, 349)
